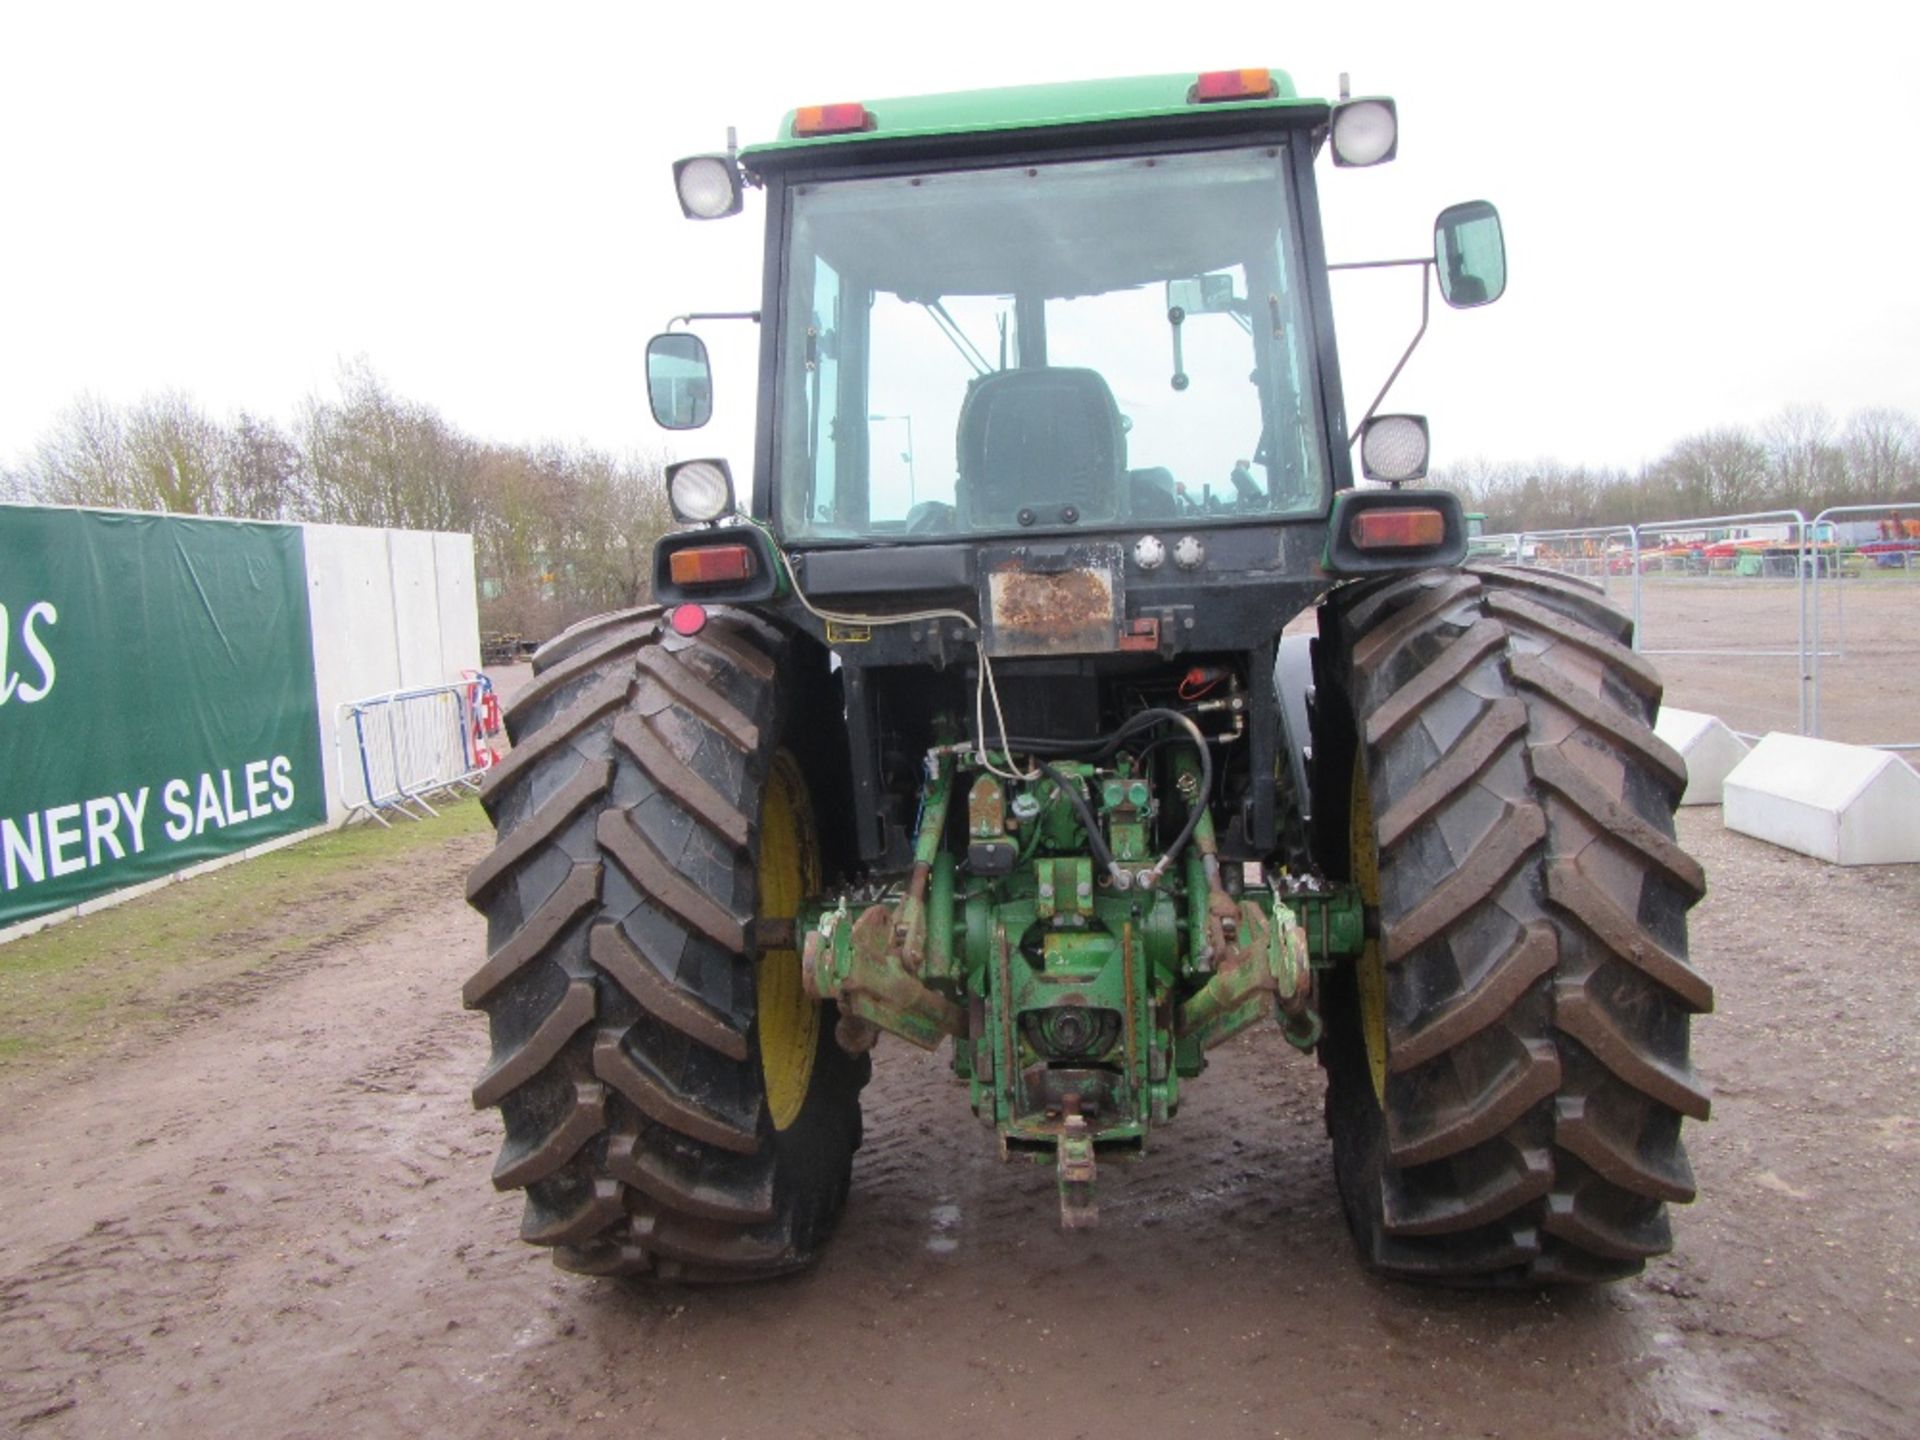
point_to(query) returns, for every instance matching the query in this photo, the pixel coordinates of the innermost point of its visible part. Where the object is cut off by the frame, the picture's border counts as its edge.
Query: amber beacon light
(1233, 85)
(831, 120)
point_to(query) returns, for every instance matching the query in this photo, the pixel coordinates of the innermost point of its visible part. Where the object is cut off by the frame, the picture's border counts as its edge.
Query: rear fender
(1293, 687)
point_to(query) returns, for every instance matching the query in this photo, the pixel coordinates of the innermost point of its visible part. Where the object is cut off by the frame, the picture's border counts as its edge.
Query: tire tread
(625, 1063)
(1533, 1100)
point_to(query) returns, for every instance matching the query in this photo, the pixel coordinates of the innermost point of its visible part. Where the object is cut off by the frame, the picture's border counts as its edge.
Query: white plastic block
(1707, 745)
(1843, 803)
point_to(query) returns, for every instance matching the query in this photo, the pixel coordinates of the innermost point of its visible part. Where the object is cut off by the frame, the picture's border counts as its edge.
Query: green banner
(156, 698)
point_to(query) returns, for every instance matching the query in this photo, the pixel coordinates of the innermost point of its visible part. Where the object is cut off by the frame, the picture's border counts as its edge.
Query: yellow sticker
(842, 634)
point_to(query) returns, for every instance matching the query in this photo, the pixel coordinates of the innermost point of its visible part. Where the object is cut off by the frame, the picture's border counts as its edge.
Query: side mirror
(1470, 252)
(679, 380)
(1204, 295)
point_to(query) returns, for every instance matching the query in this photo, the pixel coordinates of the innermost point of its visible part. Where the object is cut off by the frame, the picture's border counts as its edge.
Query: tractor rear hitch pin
(1074, 1169)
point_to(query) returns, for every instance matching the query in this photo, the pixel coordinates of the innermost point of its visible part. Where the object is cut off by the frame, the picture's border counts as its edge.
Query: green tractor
(1480, 546)
(972, 721)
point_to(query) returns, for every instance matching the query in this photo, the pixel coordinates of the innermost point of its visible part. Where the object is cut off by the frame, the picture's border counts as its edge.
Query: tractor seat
(1045, 442)
(1155, 494)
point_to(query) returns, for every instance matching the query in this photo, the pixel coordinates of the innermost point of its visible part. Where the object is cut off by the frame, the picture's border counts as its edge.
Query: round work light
(1394, 448)
(1365, 132)
(709, 186)
(700, 490)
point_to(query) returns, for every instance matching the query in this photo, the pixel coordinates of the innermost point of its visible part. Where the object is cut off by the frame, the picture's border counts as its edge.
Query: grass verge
(187, 948)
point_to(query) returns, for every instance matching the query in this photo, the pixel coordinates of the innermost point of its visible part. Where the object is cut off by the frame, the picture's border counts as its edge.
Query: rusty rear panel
(1054, 599)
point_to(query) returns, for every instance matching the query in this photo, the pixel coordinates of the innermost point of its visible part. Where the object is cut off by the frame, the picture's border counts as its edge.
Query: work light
(708, 185)
(1365, 132)
(1394, 448)
(699, 491)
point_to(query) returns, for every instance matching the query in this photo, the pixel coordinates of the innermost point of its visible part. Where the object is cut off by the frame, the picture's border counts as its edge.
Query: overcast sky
(1711, 209)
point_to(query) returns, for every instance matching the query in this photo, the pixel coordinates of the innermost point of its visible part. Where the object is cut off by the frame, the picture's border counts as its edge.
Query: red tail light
(830, 120)
(710, 565)
(1234, 85)
(1404, 529)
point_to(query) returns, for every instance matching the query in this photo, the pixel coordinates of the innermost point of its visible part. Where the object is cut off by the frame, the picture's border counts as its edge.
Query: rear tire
(1508, 1065)
(673, 1102)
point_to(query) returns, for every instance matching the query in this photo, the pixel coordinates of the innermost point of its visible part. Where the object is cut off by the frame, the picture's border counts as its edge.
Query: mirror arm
(948, 326)
(1380, 264)
(753, 315)
(1426, 306)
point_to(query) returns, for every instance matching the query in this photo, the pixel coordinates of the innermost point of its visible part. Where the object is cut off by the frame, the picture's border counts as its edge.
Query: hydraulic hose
(1198, 806)
(1104, 746)
(1101, 854)
(1097, 747)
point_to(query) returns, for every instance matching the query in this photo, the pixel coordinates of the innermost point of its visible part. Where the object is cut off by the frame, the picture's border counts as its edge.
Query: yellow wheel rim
(1371, 976)
(789, 872)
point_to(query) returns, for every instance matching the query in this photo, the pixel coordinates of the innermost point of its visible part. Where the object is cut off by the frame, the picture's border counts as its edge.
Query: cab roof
(1027, 107)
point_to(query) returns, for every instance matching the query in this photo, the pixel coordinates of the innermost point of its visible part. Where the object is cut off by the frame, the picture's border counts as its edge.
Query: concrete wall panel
(459, 603)
(392, 609)
(350, 592)
(416, 608)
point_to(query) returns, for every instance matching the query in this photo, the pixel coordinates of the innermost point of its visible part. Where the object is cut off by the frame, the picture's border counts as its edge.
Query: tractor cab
(1062, 309)
(1028, 322)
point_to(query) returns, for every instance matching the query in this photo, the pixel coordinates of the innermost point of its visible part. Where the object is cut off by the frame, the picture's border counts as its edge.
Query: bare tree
(261, 475)
(83, 460)
(376, 459)
(1480, 483)
(174, 453)
(1808, 467)
(1882, 450)
(1717, 472)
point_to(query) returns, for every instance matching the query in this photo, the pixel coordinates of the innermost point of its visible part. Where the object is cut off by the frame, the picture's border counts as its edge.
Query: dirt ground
(1869, 639)
(277, 1220)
